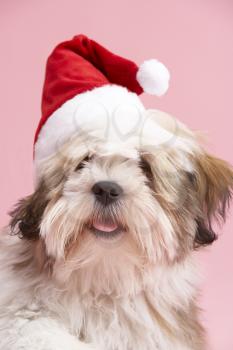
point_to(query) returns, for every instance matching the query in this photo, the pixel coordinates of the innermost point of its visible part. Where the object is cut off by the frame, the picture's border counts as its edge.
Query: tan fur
(214, 179)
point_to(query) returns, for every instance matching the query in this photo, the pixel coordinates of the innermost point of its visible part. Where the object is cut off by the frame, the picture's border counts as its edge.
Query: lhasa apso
(100, 256)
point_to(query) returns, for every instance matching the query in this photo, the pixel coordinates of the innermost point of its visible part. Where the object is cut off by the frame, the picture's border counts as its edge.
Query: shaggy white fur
(65, 283)
(39, 314)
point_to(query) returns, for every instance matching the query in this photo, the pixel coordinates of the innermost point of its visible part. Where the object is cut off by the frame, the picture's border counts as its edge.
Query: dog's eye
(82, 163)
(191, 177)
(145, 166)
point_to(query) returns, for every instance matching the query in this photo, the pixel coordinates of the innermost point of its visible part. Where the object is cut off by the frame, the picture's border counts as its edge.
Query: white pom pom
(153, 77)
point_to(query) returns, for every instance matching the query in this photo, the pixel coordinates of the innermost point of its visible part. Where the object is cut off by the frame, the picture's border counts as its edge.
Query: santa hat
(81, 70)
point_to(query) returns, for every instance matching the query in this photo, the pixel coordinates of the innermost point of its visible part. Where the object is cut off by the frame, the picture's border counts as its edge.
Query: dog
(101, 255)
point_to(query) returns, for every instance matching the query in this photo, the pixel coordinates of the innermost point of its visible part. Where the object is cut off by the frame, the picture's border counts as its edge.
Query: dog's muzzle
(105, 225)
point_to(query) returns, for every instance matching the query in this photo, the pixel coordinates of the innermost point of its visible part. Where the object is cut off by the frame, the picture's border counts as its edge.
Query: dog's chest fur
(139, 322)
(162, 315)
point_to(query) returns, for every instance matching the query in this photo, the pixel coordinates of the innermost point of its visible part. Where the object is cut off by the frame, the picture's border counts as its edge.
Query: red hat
(76, 71)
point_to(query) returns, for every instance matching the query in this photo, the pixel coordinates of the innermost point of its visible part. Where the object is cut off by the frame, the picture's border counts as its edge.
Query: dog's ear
(27, 214)
(214, 185)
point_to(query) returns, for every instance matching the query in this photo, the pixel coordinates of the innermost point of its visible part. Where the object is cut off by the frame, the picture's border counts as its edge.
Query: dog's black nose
(106, 192)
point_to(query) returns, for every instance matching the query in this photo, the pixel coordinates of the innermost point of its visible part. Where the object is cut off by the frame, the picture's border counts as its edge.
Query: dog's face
(110, 212)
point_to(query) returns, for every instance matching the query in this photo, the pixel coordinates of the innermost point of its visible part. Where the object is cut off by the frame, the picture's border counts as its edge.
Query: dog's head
(105, 211)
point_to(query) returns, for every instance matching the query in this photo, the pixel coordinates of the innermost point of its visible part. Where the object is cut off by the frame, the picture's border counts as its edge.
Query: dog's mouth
(106, 229)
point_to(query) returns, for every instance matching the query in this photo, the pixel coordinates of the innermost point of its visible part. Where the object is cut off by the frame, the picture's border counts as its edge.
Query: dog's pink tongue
(106, 227)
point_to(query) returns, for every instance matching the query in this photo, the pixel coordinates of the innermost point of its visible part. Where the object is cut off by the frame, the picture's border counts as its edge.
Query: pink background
(193, 37)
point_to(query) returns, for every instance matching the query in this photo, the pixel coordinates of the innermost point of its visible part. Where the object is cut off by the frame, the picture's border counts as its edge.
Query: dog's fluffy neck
(152, 305)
